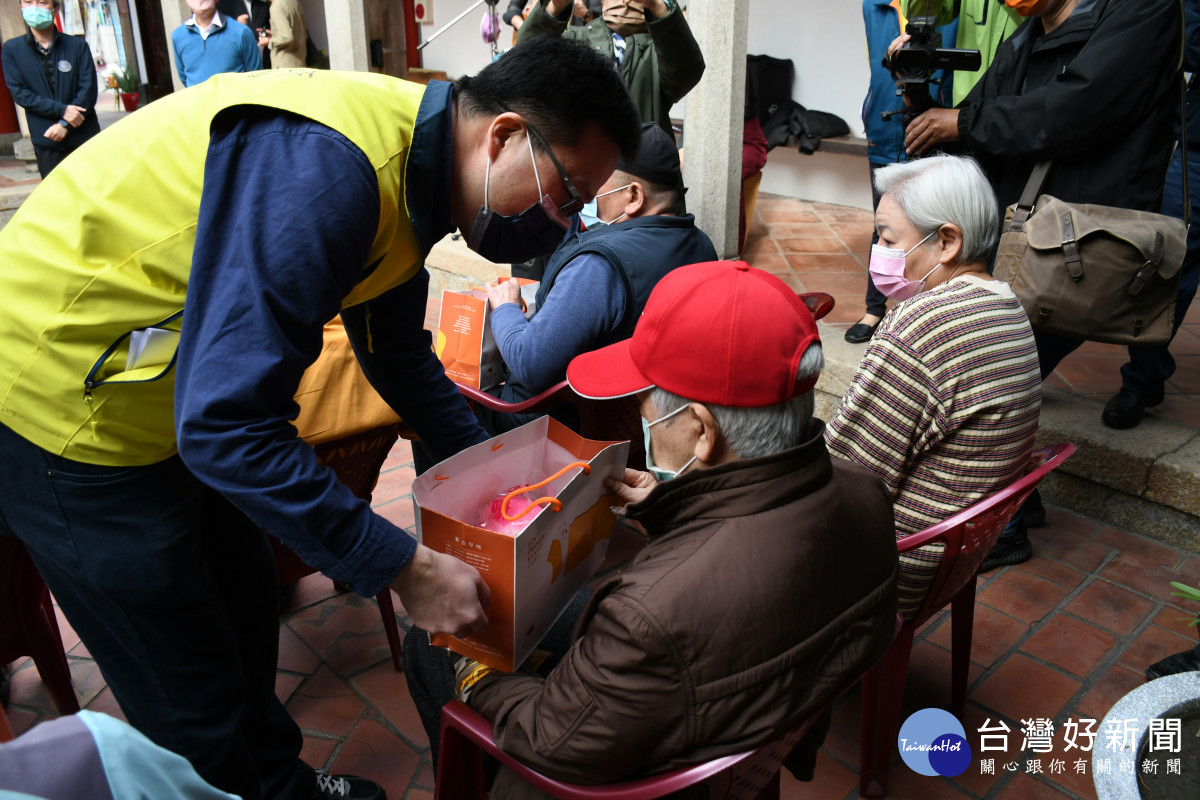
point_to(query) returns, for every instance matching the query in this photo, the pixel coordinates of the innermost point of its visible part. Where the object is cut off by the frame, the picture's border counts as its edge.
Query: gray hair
(936, 190)
(757, 432)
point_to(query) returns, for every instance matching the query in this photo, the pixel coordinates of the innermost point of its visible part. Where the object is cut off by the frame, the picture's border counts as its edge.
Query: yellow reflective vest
(104, 248)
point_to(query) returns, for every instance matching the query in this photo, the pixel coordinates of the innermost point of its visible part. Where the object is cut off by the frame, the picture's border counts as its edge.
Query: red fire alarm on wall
(423, 11)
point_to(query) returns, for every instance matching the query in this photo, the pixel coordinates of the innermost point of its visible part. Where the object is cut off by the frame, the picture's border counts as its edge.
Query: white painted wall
(827, 43)
(460, 50)
(825, 40)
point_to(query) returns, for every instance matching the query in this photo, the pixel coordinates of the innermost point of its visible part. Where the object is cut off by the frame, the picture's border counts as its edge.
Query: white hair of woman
(942, 189)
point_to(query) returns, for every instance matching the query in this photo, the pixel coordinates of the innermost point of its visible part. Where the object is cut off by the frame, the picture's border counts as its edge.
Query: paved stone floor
(1061, 637)
(822, 247)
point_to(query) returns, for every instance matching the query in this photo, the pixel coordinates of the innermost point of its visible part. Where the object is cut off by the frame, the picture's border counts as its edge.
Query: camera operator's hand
(896, 44)
(933, 126)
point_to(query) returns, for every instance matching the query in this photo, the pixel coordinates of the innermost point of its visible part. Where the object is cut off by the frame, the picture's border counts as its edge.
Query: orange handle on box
(553, 502)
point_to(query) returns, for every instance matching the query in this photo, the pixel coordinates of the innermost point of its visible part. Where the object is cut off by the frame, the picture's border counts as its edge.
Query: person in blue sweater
(598, 280)
(211, 43)
(52, 76)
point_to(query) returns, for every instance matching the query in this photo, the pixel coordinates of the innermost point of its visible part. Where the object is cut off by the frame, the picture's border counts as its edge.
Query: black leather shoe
(1188, 661)
(861, 332)
(1125, 410)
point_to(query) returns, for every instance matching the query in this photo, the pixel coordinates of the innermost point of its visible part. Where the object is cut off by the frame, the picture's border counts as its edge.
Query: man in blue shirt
(598, 280)
(210, 43)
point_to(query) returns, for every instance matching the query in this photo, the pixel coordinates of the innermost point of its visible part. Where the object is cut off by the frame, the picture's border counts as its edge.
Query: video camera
(914, 63)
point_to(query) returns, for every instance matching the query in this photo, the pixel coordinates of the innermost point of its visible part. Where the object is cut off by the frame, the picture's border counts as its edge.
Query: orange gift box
(464, 342)
(534, 571)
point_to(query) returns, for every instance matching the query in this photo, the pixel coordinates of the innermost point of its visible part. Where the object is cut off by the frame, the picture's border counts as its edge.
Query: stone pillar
(712, 129)
(174, 13)
(345, 25)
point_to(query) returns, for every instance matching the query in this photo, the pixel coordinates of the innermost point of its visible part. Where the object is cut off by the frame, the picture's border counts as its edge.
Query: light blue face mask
(589, 211)
(656, 471)
(37, 17)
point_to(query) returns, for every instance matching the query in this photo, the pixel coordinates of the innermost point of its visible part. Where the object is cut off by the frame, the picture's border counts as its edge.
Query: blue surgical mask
(590, 210)
(534, 232)
(656, 471)
(37, 17)
(588, 215)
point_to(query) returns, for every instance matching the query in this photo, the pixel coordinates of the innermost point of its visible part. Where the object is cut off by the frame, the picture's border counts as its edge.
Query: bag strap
(1033, 187)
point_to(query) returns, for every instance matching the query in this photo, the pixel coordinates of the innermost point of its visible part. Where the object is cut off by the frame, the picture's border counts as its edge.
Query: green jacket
(660, 66)
(982, 26)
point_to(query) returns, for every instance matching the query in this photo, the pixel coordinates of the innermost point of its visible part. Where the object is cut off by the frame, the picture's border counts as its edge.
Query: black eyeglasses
(576, 202)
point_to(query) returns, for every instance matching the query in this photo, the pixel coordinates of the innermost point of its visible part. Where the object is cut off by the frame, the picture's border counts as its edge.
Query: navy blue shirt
(289, 212)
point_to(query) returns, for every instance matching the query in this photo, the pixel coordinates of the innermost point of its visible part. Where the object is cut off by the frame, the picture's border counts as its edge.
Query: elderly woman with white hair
(944, 405)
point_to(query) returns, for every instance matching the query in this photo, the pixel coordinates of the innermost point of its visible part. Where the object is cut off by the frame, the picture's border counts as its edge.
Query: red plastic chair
(356, 459)
(466, 735)
(968, 536)
(28, 626)
(6, 734)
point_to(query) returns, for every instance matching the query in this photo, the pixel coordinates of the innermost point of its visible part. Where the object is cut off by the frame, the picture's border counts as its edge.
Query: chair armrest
(469, 724)
(558, 393)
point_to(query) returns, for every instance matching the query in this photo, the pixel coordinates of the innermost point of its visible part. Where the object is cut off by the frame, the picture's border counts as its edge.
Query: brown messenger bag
(1092, 272)
(1096, 272)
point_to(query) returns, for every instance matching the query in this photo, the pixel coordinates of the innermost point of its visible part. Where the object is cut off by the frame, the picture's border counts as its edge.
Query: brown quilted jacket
(765, 584)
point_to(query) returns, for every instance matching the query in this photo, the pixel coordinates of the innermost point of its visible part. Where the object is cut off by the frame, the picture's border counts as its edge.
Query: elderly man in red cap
(769, 577)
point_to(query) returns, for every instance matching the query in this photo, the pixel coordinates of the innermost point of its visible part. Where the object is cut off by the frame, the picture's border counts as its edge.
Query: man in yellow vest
(161, 294)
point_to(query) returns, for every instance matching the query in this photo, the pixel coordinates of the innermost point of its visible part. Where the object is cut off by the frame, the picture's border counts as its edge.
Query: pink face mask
(887, 271)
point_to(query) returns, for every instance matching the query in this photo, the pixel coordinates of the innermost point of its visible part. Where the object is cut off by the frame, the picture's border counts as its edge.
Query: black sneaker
(1007, 552)
(1188, 661)
(346, 787)
(1125, 410)
(1033, 513)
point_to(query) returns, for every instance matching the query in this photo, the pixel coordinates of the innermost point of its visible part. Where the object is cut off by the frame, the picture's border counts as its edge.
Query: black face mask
(504, 239)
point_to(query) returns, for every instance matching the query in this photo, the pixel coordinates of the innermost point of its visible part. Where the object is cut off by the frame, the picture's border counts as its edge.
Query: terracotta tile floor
(1062, 636)
(822, 247)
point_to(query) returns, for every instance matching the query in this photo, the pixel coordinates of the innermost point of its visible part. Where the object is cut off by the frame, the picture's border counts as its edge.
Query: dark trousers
(48, 159)
(876, 300)
(1149, 367)
(172, 590)
(430, 675)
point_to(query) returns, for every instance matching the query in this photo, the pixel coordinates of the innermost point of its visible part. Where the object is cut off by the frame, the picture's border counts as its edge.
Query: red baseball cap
(721, 332)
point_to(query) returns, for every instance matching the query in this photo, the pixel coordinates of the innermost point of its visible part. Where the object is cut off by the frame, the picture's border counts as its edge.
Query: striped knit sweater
(944, 405)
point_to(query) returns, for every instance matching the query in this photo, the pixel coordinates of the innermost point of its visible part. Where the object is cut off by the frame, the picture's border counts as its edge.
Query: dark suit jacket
(74, 84)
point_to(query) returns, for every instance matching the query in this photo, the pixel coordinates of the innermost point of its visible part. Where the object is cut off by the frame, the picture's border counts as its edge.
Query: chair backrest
(358, 458)
(970, 534)
(819, 303)
(605, 420)
(466, 735)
